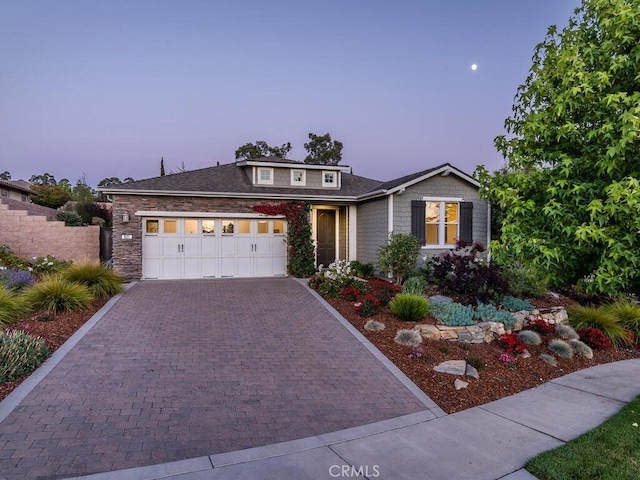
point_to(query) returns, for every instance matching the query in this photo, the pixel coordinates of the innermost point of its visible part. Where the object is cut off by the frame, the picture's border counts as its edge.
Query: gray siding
(282, 178)
(449, 186)
(371, 229)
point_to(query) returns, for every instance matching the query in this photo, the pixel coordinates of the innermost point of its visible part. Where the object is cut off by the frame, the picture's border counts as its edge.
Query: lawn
(608, 452)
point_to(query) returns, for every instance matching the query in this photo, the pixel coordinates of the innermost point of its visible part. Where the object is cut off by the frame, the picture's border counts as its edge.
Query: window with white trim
(441, 223)
(265, 176)
(329, 179)
(298, 177)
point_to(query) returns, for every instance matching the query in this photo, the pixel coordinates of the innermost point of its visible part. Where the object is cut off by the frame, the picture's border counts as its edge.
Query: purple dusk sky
(106, 88)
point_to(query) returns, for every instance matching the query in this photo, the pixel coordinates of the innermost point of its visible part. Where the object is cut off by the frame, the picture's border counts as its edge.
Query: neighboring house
(201, 223)
(16, 190)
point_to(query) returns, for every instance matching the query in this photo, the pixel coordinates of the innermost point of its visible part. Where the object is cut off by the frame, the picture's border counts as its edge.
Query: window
(208, 226)
(191, 227)
(441, 219)
(263, 227)
(278, 227)
(5, 193)
(244, 226)
(265, 176)
(152, 227)
(298, 177)
(170, 226)
(329, 179)
(227, 226)
(24, 198)
(441, 222)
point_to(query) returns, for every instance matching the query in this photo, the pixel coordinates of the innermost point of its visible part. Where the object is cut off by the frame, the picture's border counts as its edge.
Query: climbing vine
(300, 251)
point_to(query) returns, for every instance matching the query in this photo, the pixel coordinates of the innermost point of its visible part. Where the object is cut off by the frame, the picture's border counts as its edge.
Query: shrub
(561, 348)
(524, 282)
(9, 260)
(49, 264)
(12, 307)
(453, 314)
(461, 272)
(374, 326)
(368, 306)
(530, 337)
(101, 281)
(383, 291)
(409, 307)
(487, 312)
(476, 363)
(16, 280)
(362, 270)
(55, 294)
(541, 327)
(594, 338)
(628, 314)
(408, 338)
(566, 331)
(515, 304)
(600, 319)
(512, 343)
(71, 218)
(20, 354)
(444, 349)
(581, 348)
(415, 285)
(399, 255)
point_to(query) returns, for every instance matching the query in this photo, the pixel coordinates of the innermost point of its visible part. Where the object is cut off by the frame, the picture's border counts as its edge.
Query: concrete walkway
(492, 441)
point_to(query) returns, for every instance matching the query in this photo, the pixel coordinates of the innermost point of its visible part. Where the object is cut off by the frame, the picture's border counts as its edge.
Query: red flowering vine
(300, 251)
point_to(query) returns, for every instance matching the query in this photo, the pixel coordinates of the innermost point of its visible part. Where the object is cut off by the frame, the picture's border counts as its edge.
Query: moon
(474, 67)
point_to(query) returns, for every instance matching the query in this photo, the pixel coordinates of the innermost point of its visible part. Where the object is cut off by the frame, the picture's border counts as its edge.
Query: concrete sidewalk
(488, 442)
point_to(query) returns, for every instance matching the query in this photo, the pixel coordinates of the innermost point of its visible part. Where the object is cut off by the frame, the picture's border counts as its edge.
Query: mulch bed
(497, 379)
(54, 333)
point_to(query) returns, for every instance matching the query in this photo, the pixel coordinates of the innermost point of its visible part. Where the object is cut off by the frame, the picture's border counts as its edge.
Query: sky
(107, 88)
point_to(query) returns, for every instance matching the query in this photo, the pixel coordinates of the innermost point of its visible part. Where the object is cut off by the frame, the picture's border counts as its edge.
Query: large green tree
(5, 175)
(570, 188)
(260, 149)
(322, 150)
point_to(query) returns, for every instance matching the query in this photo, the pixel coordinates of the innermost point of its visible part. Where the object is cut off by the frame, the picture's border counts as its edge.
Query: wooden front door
(326, 237)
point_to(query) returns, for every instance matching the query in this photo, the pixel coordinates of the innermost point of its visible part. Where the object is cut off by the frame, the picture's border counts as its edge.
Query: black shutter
(466, 221)
(418, 227)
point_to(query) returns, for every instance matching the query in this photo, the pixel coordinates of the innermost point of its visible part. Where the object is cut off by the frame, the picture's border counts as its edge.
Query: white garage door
(174, 248)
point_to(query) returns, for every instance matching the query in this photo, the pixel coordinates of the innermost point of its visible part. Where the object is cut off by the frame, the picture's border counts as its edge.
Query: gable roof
(231, 179)
(19, 185)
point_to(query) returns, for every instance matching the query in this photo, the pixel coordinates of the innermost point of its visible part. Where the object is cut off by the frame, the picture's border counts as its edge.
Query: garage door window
(191, 227)
(244, 227)
(208, 227)
(278, 227)
(227, 227)
(263, 227)
(152, 227)
(170, 226)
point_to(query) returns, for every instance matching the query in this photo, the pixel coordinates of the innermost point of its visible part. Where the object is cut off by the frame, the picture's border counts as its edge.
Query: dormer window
(329, 179)
(298, 177)
(265, 176)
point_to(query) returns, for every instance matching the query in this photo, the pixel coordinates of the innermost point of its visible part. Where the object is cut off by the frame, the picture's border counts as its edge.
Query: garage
(208, 246)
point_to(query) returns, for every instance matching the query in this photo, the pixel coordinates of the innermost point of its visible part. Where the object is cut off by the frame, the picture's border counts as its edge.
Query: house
(201, 223)
(16, 190)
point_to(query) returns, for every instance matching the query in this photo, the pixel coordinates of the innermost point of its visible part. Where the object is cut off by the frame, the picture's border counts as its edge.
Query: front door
(326, 237)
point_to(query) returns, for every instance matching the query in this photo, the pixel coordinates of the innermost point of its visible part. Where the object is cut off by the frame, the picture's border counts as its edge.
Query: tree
(261, 149)
(51, 196)
(109, 182)
(570, 191)
(399, 256)
(322, 150)
(82, 192)
(44, 179)
(162, 166)
(5, 175)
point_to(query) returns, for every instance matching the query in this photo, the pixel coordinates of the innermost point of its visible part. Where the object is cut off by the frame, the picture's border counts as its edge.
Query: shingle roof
(19, 185)
(232, 178)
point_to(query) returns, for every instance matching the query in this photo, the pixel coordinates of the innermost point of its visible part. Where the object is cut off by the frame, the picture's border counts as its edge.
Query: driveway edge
(14, 398)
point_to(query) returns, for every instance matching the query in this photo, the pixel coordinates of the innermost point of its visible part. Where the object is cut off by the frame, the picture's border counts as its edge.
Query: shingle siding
(371, 229)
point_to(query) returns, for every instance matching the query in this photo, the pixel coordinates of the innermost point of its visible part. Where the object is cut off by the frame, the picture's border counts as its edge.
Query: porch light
(125, 217)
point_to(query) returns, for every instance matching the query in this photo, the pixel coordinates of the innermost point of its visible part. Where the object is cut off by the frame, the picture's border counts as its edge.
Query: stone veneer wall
(31, 236)
(127, 254)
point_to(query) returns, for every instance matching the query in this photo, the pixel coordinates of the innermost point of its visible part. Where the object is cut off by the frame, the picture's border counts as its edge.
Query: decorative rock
(459, 384)
(453, 367)
(448, 335)
(464, 337)
(440, 299)
(428, 331)
(478, 337)
(471, 372)
(474, 329)
(520, 318)
(561, 315)
(526, 354)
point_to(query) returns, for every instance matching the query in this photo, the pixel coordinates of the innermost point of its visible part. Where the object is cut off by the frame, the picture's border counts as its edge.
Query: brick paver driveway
(180, 369)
